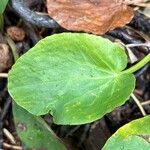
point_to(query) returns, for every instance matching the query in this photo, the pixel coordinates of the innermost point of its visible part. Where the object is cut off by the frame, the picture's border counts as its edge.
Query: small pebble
(16, 33)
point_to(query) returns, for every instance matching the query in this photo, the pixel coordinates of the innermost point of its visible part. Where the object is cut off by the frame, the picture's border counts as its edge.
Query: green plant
(133, 135)
(3, 4)
(33, 131)
(76, 77)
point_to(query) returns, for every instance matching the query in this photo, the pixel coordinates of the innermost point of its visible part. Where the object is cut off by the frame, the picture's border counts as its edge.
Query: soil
(22, 35)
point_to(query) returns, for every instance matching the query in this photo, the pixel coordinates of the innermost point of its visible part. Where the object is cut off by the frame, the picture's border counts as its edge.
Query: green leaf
(1, 21)
(75, 76)
(130, 143)
(131, 136)
(3, 4)
(34, 132)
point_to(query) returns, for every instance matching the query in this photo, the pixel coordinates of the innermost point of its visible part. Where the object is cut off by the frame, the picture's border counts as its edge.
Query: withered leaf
(94, 16)
(5, 58)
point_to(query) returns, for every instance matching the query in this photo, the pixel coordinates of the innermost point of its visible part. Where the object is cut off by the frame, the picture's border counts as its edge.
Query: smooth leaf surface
(34, 132)
(130, 136)
(3, 4)
(130, 143)
(76, 77)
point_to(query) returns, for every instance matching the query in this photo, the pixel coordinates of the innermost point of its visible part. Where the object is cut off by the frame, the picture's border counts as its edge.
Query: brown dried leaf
(5, 58)
(95, 16)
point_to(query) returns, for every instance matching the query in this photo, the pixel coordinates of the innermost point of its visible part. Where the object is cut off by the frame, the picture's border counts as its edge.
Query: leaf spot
(22, 126)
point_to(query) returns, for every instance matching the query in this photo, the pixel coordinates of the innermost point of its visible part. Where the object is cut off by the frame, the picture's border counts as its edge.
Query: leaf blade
(33, 131)
(3, 4)
(71, 74)
(130, 136)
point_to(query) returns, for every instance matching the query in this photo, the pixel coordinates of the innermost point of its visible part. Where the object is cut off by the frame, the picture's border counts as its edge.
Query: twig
(131, 55)
(3, 75)
(143, 5)
(142, 70)
(9, 136)
(129, 2)
(6, 107)
(139, 3)
(72, 131)
(138, 104)
(145, 103)
(139, 45)
(130, 41)
(1, 133)
(38, 19)
(9, 146)
(123, 35)
(32, 34)
(141, 22)
(84, 134)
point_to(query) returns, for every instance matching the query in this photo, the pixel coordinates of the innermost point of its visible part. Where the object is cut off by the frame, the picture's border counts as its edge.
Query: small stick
(141, 22)
(125, 37)
(139, 3)
(6, 107)
(138, 104)
(72, 131)
(145, 103)
(143, 5)
(84, 134)
(138, 45)
(1, 133)
(132, 57)
(142, 70)
(9, 146)
(3, 75)
(9, 136)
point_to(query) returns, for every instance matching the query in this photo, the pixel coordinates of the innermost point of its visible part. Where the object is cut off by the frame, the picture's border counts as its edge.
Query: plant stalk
(139, 65)
(13, 48)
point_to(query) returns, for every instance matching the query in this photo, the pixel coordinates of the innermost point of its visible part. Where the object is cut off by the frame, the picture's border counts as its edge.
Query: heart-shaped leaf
(133, 135)
(75, 76)
(34, 132)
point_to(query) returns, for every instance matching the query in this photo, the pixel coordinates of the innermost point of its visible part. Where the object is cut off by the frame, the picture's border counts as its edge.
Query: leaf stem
(139, 65)
(13, 48)
(138, 104)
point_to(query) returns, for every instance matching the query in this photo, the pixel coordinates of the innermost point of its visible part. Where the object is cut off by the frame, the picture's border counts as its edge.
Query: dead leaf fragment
(94, 16)
(5, 58)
